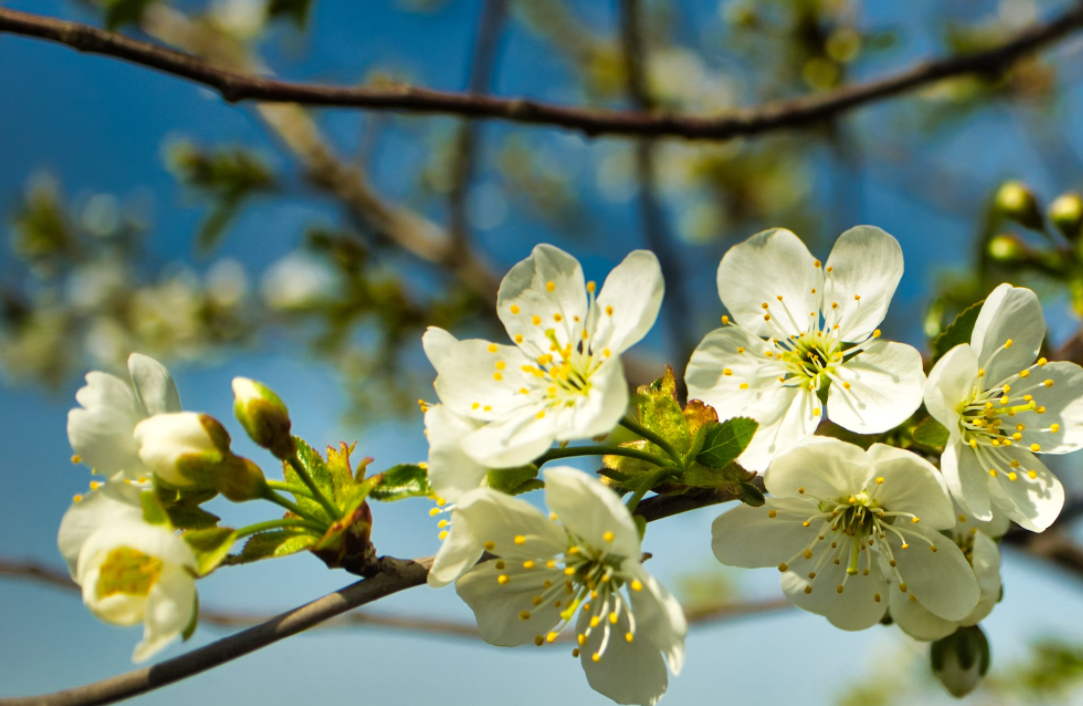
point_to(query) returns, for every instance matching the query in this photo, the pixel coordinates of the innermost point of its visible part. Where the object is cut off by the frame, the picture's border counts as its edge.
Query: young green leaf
(660, 412)
(275, 544)
(210, 546)
(400, 482)
(153, 509)
(958, 331)
(185, 517)
(931, 433)
(510, 480)
(725, 441)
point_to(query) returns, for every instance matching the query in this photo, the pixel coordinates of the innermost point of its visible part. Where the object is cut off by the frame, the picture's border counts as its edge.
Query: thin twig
(751, 121)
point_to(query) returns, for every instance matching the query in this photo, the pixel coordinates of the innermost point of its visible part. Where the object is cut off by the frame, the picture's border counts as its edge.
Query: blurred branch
(651, 213)
(235, 86)
(482, 69)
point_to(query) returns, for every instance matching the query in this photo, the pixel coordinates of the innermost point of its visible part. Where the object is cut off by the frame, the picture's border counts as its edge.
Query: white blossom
(111, 502)
(133, 572)
(845, 525)
(1001, 407)
(563, 379)
(101, 431)
(182, 448)
(819, 322)
(583, 558)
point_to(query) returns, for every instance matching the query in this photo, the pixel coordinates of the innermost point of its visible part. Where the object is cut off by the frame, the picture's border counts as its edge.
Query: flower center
(129, 572)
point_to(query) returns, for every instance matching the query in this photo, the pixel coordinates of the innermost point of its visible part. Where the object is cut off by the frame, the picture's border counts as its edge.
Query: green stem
(327, 505)
(278, 524)
(277, 499)
(290, 488)
(650, 436)
(653, 480)
(571, 451)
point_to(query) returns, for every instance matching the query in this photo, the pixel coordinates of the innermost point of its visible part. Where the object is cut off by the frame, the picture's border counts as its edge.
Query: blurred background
(308, 249)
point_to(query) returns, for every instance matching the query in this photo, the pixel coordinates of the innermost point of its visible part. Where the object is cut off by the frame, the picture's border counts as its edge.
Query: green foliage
(210, 547)
(317, 470)
(931, 433)
(399, 482)
(188, 517)
(724, 442)
(515, 481)
(275, 544)
(154, 512)
(122, 12)
(957, 332)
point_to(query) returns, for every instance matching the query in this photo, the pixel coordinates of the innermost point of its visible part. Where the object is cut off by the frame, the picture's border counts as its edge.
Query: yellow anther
(1014, 464)
(550, 286)
(607, 352)
(973, 443)
(1012, 476)
(487, 408)
(489, 546)
(528, 564)
(764, 305)
(1048, 383)
(839, 588)
(569, 571)
(1017, 436)
(502, 579)
(993, 472)
(801, 491)
(1035, 447)
(575, 652)
(442, 536)
(536, 320)
(573, 550)
(902, 587)
(434, 512)
(857, 297)
(766, 317)
(816, 412)
(475, 405)
(1042, 362)
(981, 372)
(830, 269)
(1024, 373)
(916, 520)
(515, 309)
(498, 377)
(1054, 428)
(905, 546)
(772, 513)
(520, 540)
(76, 459)
(558, 318)
(1032, 474)
(637, 585)
(834, 305)
(783, 566)
(808, 590)
(782, 378)
(594, 621)
(551, 564)
(1040, 410)
(609, 310)
(540, 414)
(612, 618)
(608, 536)
(596, 657)
(493, 348)
(725, 319)
(727, 371)
(524, 615)
(76, 498)
(501, 365)
(807, 554)
(744, 385)
(846, 385)
(500, 565)
(876, 597)
(1004, 399)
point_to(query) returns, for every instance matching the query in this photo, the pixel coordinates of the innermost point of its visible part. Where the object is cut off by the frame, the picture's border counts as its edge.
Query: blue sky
(98, 125)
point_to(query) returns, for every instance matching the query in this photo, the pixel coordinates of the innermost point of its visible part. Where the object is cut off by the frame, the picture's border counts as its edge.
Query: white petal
(942, 580)
(499, 607)
(911, 484)
(966, 479)
(1034, 503)
(749, 537)
(628, 672)
(514, 527)
(165, 438)
(599, 411)
(527, 288)
(168, 612)
(857, 607)
(451, 471)
(985, 559)
(471, 382)
(633, 292)
(117, 609)
(822, 468)
(437, 343)
(768, 265)
(152, 540)
(1063, 403)
(1008, 313)
(886, 382)
(658, 614)
(866, 262)
(591, 511)
(115, 501)
(101, 432)
(792, 425)
(154, 385)
(950, 382)
(459, 552)
(515, 440)
(915, 620)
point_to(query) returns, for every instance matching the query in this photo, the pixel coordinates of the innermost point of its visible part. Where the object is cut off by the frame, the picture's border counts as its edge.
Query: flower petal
(116, 501)
(886, 383)
(966, 479)
(658, 615)
(459, 552)
(915, 620)
(792, 425)
(749, 537)
(592, 511)
(860, 605)
(154, 386)
(169, 609)
(1063, 402)
(101, 432)
(628, 672)
(509, 527)
(629, 302)
(866, 262)
(505, 609)
(950, 383)
(911, 484)
(942, 580)
(985, 560)
(769, 265)
(544, 292)
(599, 411)
(1034, 503)
(437, 344)
(822, 468)
(451, 471)
(483, 380)
(515, 440)
(1009, 313)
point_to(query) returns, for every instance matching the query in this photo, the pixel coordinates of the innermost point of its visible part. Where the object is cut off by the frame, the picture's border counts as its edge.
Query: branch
(411, 99)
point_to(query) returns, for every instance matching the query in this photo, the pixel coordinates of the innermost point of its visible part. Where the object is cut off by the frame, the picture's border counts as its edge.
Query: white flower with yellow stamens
(845, 526)
(102, 430)
(977, 540)
(107, 503)
(563, 380)
(583, 559)
(820, 328)
(1001, 408)
(134, 572)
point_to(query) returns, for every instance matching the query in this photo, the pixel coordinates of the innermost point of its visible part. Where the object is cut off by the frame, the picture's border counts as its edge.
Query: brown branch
(411, 99)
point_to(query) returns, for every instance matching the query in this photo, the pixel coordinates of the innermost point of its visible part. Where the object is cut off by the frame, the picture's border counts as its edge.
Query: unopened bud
(183, 449)
(238, 479)
(1018, 203)
(1066, 214)
(961, 660)
(263, 416)
(1006, 248)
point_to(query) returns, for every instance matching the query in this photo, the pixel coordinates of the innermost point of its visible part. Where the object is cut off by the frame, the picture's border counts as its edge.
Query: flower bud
(1006, 248)
(183, 449)
(1017, 202)
(238, 479)
(961, 660)
(263, 416)
(1066, 214)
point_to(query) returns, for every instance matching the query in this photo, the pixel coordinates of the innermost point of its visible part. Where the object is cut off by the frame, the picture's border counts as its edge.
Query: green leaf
(400, 482)
(660, 412)
(338, 466)
(184, 517)
(532, 484)
(958, 331)
(275, 544)
(154, 512)
(190, 628)
(313, 463)
(698, 475)
(751, 495)
(726, 441)
(122, 12)
(210, 546)
(931, 433)
(510, 480)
